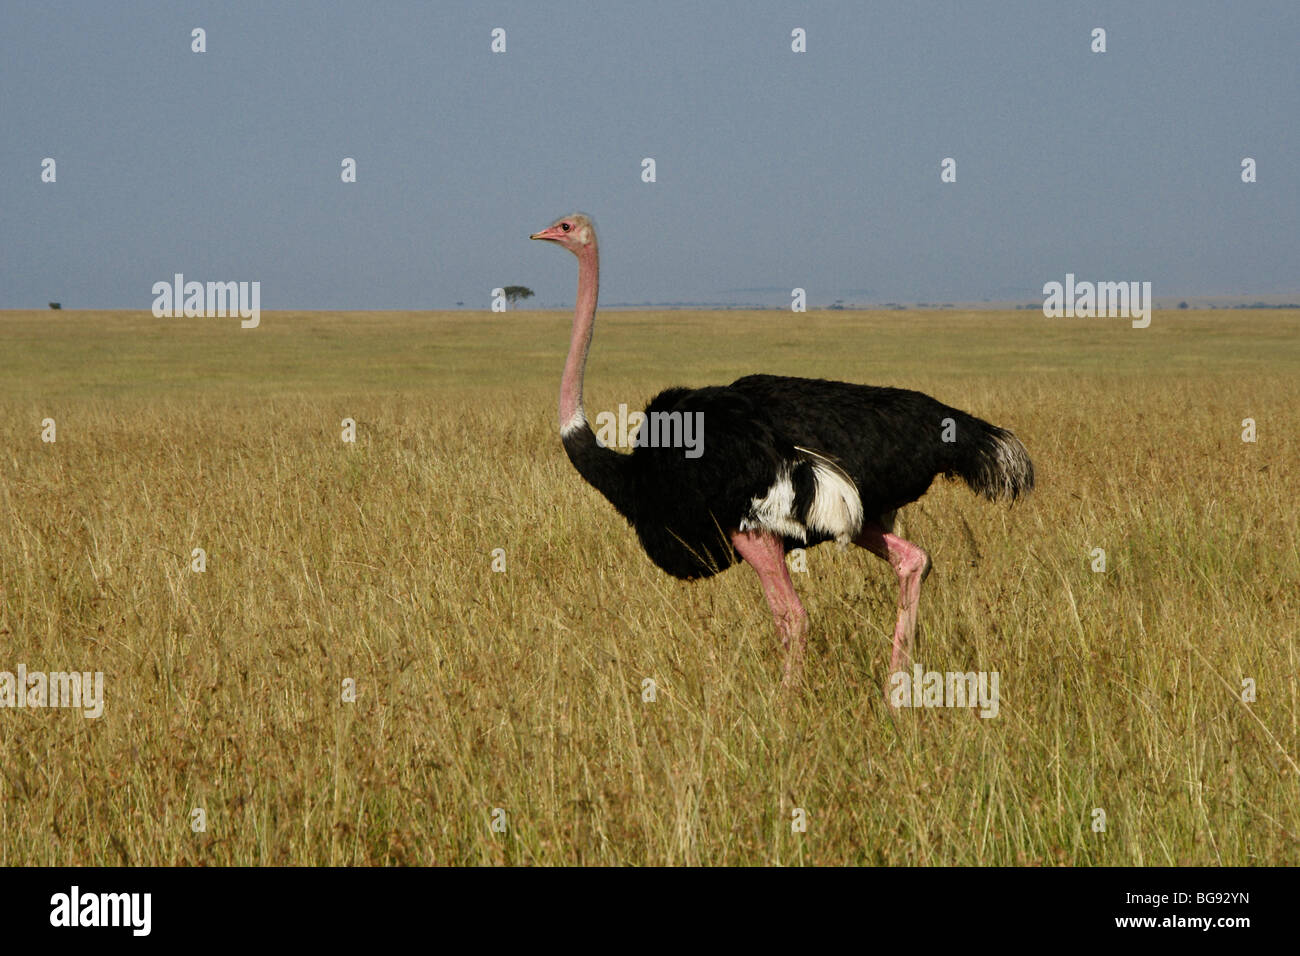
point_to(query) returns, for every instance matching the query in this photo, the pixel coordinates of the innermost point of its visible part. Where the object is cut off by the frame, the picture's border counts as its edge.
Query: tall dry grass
(522, 690)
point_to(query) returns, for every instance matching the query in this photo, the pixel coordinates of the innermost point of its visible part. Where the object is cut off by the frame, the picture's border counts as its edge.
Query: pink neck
(584, 319)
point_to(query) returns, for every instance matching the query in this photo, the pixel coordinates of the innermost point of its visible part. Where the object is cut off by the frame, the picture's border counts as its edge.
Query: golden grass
(522, 690)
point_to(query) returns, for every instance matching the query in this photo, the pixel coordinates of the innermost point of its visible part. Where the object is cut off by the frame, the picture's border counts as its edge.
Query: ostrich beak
(550, 232)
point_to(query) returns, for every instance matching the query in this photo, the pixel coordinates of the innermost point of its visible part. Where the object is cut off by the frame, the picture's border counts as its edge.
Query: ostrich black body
(764, 432)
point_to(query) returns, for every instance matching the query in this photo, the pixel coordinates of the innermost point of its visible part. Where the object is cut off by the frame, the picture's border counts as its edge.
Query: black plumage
(889, 442)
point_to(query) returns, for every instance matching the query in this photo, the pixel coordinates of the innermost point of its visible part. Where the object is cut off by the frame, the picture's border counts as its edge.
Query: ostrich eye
(565, 227)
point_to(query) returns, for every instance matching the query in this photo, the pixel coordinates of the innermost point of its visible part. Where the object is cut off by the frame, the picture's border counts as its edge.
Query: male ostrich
(786, 462)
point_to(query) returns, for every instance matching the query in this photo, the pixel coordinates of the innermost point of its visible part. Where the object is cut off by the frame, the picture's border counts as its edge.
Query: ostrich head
(576, 233)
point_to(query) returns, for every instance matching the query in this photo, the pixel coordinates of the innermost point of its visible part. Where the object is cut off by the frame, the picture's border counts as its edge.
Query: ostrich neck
(584, 320)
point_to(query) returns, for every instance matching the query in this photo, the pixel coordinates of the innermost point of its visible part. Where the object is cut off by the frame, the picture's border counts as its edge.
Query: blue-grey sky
(774, 169)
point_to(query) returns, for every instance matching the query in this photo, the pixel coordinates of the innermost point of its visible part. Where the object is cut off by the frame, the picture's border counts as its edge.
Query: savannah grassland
(522, 690)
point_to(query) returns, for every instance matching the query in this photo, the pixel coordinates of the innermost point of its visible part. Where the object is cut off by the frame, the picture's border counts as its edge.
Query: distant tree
(55, 305)
(1182, 305)
(516, 292)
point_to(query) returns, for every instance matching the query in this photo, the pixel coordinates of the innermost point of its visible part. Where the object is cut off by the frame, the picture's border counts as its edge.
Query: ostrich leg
(912, 565)
(765, 553)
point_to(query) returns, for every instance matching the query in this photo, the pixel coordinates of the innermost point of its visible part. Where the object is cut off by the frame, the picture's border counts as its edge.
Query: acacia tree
(516, 292)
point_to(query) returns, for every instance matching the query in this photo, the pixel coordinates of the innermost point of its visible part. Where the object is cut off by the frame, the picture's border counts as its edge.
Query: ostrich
(786, 462)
